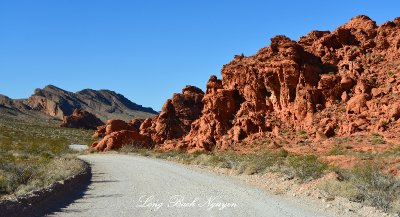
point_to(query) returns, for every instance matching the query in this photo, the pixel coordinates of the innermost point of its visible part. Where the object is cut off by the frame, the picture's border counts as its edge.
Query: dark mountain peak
(5, 100)
(105, 104)
(110, 97)
(53, 89)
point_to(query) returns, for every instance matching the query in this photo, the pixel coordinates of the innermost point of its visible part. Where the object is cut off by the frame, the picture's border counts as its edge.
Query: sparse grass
(342, 140)
(302, 134)
(34, 155)
(367, 184)
(390, 73)
(303, 167)
(306, 167)
(20, 179)
(374, 187)
(394, 152)
(336, 188)
(376, 139)
(337, 150)
(358, 139)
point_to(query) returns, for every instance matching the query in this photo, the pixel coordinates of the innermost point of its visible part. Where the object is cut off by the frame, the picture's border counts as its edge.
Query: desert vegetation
(35, 154)
(366, 184)
(303, 167)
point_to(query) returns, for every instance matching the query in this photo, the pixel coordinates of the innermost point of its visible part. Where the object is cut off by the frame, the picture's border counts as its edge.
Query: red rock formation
(295, 94)
(323, 74)
(173, 122)
(117, 139)
(176, 116)
(81, 119)
(117, 125)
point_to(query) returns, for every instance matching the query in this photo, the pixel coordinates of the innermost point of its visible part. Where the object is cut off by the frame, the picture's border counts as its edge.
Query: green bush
(374, 187)
(305, 167)
(366, 184)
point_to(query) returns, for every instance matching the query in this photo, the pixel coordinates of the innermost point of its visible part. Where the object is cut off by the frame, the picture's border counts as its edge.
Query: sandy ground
(307, 193)
(128, 185)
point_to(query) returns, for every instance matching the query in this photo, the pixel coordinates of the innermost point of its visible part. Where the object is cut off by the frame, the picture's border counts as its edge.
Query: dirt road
(126, 185)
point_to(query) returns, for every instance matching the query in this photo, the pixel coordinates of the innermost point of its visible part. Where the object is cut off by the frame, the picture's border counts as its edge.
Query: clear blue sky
(146, 49)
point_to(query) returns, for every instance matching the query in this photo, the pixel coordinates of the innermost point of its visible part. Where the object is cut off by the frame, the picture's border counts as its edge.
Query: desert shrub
(377, 139)
(60, 168)
(268, 160)
(12, 176)
(214, 160)
(367, 184)
(302, 134)
(185, 158)
(22, 178)
(29, 150)
(336, 188)
(374, 187)
(57, 169)
(385, 123)
(305, 167)
(251, 169)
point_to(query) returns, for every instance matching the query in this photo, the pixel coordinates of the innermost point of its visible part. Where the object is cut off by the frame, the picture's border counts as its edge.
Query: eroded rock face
(117, 125)
(81, 119)
(220, 106)
(118, 139)
(326, 84)
(173, 122)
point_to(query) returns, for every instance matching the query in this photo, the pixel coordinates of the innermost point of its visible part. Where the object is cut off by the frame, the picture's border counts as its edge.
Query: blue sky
(148, 50)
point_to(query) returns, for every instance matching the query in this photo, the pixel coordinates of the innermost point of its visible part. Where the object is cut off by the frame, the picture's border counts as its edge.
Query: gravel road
(126, 185)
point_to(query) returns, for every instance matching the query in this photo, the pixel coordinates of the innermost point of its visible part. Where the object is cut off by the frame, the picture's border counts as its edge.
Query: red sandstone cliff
(295, 94)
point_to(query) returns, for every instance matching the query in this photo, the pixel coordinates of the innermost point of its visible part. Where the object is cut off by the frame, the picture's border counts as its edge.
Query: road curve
(126, 185)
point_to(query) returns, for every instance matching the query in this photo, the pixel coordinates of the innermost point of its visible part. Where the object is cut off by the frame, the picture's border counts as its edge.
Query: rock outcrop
(81, 119)
(173, 122)
(117, 139)
(326, 84)
(117, 125)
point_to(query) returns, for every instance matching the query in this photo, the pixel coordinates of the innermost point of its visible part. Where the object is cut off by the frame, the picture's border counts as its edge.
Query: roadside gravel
(128, 185)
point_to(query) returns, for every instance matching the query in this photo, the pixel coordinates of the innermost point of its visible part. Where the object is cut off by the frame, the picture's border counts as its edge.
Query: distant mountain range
(55, 103)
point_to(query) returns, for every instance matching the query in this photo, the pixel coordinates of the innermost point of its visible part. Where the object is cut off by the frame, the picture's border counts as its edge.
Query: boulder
(116, 140)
